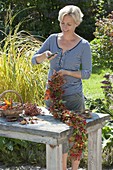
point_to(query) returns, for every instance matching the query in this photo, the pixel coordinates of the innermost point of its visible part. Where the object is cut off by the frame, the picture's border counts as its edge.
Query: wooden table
(53, 132)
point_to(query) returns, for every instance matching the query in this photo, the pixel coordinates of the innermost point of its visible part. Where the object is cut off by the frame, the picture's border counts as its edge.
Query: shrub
(102, 45)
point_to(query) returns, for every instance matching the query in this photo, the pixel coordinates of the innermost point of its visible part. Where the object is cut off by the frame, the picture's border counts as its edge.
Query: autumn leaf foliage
(73, 119)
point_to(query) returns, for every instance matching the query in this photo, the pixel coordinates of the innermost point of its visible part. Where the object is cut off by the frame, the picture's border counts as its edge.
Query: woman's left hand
(62, 72)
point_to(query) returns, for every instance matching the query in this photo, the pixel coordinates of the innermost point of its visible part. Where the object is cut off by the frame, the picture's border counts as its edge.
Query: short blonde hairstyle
(73, 11)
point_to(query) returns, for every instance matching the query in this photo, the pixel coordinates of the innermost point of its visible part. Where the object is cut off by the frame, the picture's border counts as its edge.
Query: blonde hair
(73, 11)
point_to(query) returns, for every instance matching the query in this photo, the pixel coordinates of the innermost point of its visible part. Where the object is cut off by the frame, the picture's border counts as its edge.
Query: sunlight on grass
(92, 87)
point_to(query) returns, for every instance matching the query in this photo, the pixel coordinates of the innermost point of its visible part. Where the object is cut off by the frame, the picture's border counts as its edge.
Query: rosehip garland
(78, 138)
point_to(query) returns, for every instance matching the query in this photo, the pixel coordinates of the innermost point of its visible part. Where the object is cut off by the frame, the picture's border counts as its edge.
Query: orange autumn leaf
(4, 107)
(7, 102)
(47, 94)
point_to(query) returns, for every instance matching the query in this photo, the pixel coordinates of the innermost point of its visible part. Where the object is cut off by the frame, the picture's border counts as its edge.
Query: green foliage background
(18, 20)
(41, 16)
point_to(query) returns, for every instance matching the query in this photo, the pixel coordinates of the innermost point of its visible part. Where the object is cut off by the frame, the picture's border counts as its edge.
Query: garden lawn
(92, 86)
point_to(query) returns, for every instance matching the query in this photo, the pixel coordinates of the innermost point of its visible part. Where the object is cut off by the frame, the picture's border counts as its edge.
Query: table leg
(54, 157)
(95, 150)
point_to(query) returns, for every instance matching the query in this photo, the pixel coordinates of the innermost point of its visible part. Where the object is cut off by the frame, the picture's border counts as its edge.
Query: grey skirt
(73, 102)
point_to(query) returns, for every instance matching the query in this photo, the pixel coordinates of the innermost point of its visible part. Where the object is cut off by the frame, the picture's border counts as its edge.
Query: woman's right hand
(45, 55)
(50, 55)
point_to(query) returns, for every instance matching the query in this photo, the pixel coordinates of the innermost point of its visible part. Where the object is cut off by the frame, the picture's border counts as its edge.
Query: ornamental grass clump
(73, 119)
(16, 71)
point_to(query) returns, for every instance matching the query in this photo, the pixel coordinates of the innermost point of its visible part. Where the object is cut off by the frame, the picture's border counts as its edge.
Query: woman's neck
(68, 37)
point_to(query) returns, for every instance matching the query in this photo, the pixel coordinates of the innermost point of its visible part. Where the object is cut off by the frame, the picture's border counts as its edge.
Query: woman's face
(68, 24)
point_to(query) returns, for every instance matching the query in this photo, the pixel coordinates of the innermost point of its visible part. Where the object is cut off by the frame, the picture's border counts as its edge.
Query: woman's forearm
(76, 74)
(40, 57)
(81, 74)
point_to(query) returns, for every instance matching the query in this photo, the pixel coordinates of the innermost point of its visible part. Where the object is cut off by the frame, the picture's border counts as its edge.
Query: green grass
(92, 86)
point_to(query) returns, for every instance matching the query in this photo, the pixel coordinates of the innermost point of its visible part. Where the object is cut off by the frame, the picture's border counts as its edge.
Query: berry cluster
(31, 109)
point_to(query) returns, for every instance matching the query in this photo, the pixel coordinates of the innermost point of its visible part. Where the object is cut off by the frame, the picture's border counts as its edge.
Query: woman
(72, 60)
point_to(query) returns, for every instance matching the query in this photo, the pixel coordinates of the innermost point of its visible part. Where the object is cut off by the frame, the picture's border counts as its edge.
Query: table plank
(48, 126)
(53, 132)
